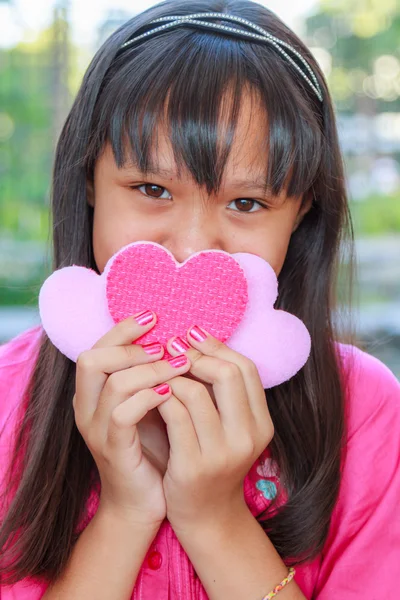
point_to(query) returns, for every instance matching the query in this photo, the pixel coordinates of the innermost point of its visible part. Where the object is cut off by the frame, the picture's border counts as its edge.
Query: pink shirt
(361, 557)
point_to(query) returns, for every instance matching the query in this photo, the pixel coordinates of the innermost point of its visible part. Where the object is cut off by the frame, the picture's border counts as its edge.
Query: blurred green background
(357, 44)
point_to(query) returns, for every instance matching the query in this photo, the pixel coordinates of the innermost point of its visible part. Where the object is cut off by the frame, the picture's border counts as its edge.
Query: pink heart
(209, 289)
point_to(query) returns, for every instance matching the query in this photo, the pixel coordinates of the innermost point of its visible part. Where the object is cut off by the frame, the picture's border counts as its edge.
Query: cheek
(280, 254)
(113, 229)
(108, 233)
(103, 244)
(272, 245)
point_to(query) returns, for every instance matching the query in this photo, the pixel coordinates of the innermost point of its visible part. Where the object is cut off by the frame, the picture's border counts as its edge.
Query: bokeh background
(45, 47)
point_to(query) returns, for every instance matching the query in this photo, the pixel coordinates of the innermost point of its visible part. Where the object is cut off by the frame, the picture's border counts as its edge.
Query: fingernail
(144, 318)
(198, 334)
(178, 361)
(162, 389)
(152, 348)
(180, 345)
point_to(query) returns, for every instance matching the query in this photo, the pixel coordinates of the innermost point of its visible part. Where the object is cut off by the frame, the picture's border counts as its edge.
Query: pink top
(361, 556)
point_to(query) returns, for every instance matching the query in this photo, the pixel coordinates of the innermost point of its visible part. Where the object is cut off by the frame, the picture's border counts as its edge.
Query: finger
(210, 346)
(181, 432)
(203, 413)
(230, 394)
(123, 384)
(228, 386)
(128, 330)
(177, 345)
(122, 430)
(94, 365)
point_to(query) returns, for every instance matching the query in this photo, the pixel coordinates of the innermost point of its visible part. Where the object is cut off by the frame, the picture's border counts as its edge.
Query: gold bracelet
(281, 585)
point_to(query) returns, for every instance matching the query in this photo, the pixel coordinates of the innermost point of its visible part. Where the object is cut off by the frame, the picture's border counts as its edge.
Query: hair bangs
(194, 93)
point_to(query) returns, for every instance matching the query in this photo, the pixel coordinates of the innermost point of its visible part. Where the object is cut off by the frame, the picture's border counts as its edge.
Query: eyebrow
(257, 183)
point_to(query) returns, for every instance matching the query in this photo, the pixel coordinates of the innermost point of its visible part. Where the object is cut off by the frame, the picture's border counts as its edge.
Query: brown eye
(245, 205)
(153, 190)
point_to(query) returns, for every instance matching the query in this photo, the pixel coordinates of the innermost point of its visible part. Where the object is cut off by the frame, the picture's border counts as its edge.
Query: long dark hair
(122, 96)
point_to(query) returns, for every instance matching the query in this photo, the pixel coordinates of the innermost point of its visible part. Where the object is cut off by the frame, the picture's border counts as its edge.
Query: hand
(212, 445)
(113, 393)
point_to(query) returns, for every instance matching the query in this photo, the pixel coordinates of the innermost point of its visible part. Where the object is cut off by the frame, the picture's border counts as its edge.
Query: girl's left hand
(212, 445)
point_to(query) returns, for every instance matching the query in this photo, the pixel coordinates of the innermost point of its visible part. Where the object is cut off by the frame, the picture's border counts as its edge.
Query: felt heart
(208, 288)
(231, 296)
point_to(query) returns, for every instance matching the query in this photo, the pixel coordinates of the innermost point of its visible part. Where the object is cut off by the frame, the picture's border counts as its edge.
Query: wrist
(213, 523)
(129, 518)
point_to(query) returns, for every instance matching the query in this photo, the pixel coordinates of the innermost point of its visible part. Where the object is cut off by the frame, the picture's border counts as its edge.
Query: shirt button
(154, 560)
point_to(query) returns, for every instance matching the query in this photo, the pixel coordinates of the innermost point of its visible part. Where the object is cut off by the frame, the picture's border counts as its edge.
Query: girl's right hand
(113, 393)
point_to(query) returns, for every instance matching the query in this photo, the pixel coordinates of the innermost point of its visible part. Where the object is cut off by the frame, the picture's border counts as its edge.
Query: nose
(193, 234)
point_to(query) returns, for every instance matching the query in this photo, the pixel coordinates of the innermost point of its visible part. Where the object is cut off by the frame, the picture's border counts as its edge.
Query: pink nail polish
(152, 348)
(180, 345)
(198, 334)
(144, 318)
(162, 389)
(178, 361)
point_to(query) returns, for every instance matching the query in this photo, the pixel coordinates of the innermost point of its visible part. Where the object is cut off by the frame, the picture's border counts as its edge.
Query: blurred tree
(362, 38)
(24, 131)
(358, 44)
(34, 99)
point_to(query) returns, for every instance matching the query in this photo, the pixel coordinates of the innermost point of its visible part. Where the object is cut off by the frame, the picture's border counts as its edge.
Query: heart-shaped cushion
(231, 296)
(209, 288)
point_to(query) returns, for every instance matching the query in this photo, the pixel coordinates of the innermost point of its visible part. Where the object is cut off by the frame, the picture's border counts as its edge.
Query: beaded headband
(263, 35)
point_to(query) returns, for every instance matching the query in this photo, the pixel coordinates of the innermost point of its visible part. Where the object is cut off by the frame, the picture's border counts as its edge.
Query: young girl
(129, 476)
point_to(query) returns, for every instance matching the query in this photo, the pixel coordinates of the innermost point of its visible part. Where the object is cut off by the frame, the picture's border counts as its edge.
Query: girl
(130, 476)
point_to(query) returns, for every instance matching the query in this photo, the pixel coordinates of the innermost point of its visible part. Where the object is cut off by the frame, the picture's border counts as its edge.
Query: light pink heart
(268, 468)
(77, 306)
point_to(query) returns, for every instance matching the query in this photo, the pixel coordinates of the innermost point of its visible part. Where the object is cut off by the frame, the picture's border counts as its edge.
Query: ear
(90, 192)
(303, 210)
